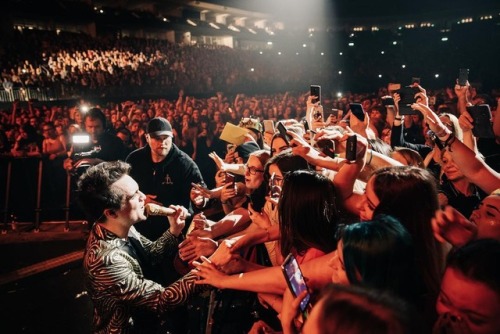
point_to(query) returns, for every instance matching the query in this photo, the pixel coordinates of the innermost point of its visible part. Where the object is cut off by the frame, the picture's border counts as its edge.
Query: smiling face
(473, 303)
(368, 202)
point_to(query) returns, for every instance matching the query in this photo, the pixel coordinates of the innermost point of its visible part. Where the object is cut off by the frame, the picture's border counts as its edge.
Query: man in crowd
(104, 145)
(165, 174)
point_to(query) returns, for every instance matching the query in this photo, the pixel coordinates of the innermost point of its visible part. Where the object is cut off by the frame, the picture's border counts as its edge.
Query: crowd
(404, 223)
(421, 185)
(71, 64)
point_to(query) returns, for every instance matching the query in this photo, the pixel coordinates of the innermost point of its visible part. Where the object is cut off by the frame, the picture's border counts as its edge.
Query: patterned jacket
(116, 284)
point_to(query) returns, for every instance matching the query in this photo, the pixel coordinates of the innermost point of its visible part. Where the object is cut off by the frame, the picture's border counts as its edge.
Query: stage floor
(41, 283)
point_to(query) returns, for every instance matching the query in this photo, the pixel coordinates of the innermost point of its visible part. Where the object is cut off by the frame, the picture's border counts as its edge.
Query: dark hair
(307, 212)
(95, 193)
(358, 310)
(96, 113)
(409, 194)
(478, 261)
(379, 254)
(286, 162)
(412, 157)
(276, 135)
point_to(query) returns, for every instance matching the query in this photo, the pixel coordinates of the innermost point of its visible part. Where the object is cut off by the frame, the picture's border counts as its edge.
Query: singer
(117, 257)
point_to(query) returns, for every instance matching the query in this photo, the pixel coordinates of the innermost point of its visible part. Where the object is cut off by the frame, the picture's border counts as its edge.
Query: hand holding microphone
(176, 214)
(152, 209)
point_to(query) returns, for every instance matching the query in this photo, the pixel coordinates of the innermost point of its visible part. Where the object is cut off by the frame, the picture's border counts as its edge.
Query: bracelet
(398, 118)
(224, 202)
(449, 141)
(371, 157)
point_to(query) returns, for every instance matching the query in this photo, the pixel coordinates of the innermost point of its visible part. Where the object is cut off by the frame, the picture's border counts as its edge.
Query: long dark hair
(379, 254)
(307, 212)
(409, 194)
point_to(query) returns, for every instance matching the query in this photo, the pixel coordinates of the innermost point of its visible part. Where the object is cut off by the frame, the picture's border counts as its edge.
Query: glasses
(253, 170)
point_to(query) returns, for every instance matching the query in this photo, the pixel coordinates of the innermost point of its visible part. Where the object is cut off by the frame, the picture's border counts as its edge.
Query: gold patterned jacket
(116, 284)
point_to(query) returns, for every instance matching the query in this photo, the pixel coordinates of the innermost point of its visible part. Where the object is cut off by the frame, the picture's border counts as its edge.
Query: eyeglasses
(253, 170)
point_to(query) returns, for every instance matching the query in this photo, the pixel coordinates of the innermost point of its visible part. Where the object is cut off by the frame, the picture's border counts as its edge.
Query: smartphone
(306, 125)
(463, 76)
(415, 80)
(315, 90)
(229, 179)
(351, 146)
(481, 115)
(327, 146)
(387, 101)
(331, 112)
(275, 189)
(268, 125)
(357, 110)
(407, 95)
(282, 130)
(230, 148)
(296, 282)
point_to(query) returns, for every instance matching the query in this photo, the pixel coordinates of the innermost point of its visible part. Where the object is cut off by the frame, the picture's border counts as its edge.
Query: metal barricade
(33, 191)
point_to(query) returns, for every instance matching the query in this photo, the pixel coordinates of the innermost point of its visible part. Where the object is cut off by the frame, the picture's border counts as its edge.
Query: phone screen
(275, 191)
(331, 112)
(315, 90)
(268, 125)
(296, 281)
(229, 179)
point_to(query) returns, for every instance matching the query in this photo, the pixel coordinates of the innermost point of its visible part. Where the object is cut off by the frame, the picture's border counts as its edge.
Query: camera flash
(81, 139)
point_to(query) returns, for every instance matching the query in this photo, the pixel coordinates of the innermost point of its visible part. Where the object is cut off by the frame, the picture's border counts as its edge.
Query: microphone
(152, 209)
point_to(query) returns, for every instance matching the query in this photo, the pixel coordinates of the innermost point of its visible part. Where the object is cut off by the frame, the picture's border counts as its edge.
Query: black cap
(159, 126)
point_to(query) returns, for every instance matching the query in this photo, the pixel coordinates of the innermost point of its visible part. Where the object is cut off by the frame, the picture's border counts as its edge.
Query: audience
(399, 246)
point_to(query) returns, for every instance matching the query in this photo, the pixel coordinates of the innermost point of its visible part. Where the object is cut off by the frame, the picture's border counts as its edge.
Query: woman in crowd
(358, 310)
(455, 189)
(377, 255)
(451, 226)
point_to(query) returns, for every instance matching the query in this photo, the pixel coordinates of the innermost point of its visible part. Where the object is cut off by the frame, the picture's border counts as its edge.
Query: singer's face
(133, 202)
(160, 146)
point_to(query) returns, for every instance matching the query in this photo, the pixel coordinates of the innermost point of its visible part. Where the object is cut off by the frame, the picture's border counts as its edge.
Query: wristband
(371, 157)
(449, 141)
(398, 118)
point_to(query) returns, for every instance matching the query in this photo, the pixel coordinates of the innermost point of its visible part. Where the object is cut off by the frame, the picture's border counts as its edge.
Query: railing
(26, 94)
(34, 189)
